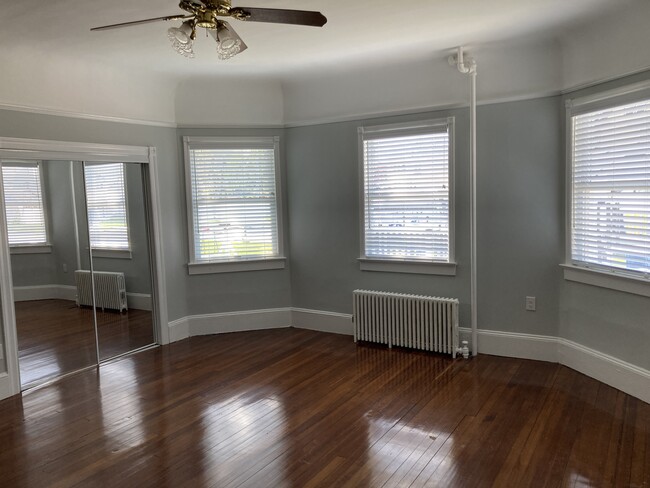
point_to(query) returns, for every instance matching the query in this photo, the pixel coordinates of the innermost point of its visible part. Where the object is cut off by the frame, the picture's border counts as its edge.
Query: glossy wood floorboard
(56, 337)
(296, 408)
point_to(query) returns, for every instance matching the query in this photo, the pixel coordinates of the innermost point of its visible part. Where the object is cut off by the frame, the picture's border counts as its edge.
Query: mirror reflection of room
(55, 212)
(114, 226)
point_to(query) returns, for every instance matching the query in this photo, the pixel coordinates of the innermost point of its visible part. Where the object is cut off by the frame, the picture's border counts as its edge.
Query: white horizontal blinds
(106, 202)
(234, 201)
(406, 186)
(24, 204)
(611, 187)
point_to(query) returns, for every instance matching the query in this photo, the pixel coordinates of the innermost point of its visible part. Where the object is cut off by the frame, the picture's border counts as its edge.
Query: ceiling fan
(205, 13)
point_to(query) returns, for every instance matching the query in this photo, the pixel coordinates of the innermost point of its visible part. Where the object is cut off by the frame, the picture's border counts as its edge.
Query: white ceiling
(368, 31)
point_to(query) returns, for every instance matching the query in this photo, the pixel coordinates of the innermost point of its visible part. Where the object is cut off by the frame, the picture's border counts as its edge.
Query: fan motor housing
(207, 19)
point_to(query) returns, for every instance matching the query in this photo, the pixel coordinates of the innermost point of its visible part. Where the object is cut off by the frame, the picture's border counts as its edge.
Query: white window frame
(233, 265)
(594, 274)
(39, 248)
(108, 252)
(443, 268)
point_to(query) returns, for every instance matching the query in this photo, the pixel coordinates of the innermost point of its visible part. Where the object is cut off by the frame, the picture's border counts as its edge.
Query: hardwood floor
(56, 337)
(296, 408)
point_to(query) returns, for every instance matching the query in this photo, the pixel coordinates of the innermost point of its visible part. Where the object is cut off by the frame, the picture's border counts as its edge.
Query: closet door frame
(35, 149)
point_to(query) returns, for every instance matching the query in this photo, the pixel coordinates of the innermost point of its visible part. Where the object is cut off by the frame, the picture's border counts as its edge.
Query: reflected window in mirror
(107, 209)
(27, 229)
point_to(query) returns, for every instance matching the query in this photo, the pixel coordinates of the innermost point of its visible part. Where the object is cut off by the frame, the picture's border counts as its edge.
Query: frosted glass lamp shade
(181, 38)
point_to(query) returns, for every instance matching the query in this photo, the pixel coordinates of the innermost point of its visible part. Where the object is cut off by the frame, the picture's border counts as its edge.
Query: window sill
(413, 267)
(236, 266)
(603, 279)
(37, 249)
(112, 253)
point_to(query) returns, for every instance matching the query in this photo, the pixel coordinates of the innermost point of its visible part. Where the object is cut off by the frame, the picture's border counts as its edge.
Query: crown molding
(226, 126)
(418, 110)
(79, 115)
(324, 120)
(601, 81)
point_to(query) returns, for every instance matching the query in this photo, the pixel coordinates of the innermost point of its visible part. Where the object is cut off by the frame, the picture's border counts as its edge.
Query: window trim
(110, 252)
(589, 273)
(399, 265)
(39, 247)
(233, 265)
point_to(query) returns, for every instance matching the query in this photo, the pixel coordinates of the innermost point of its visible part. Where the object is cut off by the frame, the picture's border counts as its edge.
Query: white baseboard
(333, 322)
(138, 301)
(44, 292)
(619, 374)
(221, 323)
(6, 389)
(179, 329)
(607, 369)
(515, 345)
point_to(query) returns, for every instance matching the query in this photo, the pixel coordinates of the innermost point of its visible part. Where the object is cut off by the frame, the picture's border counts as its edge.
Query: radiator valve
(464, 350)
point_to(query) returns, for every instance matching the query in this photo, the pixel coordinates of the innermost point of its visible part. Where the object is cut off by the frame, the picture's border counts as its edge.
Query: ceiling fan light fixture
(227, 44)
(182, 38)
(228, 49)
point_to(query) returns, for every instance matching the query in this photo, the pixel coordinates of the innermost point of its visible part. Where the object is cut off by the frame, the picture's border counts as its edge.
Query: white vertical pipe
(472, 216)
(468, 66)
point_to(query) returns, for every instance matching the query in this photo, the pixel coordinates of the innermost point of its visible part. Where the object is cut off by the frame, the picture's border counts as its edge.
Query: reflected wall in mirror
(54, 335)
(117, 234)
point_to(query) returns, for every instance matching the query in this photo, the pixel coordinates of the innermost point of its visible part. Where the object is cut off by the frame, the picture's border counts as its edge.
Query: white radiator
(419, 322)
(110, 289)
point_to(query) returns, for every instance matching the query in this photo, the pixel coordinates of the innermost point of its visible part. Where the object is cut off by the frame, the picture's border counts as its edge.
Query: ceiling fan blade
(138, 22)
(282, 16)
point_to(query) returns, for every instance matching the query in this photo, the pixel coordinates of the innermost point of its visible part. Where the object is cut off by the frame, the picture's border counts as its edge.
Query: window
(609, 214)
(26, 218)
(106, 201)
(233, 204)
(407, 197)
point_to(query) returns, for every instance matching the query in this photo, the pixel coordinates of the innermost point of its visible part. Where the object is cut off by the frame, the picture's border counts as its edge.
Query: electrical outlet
(531, 304)
(65, 268)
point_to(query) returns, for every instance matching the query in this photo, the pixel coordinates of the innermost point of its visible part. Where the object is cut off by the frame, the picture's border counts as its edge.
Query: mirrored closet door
(118, 237)
(80, 260)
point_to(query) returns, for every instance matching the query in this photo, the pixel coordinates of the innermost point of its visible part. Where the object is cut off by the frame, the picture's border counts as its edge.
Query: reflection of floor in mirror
(57, 337)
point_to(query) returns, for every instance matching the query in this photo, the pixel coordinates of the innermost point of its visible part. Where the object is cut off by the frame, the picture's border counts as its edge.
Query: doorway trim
(38, 149)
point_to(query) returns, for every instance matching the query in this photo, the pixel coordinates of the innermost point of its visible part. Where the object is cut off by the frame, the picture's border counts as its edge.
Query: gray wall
(323, 178)
(519, 200)
(520, 215)
(520, 234)
(187, 295)
(230, 292)
(59, 201)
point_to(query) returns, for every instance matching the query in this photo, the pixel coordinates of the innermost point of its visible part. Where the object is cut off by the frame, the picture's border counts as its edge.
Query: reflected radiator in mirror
(110, 289)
